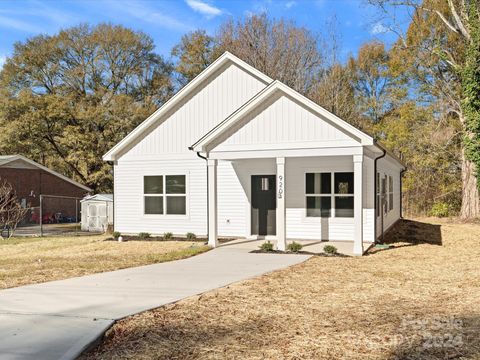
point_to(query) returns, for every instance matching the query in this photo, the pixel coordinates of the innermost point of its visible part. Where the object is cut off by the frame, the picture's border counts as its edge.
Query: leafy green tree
(441, 50)
(67, 99)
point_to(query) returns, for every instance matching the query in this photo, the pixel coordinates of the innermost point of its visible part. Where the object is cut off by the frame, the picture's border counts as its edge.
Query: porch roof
(204, 144)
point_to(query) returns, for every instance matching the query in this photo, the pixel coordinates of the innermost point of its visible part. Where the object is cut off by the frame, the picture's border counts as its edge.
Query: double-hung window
(390, 193)
(384, 194)
(165, 195)
(329, 194)
(319, 194)
(344, 194)
(379, 198)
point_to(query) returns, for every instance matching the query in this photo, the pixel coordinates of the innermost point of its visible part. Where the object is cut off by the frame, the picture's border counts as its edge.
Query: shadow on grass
(175, 339)
(409, 233)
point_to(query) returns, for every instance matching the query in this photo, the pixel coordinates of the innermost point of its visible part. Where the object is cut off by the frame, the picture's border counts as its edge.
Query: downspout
(204, 158)
(113, 197)
(375, 189)
(401, 192)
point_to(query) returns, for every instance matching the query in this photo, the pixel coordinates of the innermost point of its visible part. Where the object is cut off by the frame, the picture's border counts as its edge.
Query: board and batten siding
(197, 115)
(281, 121)
(165, 150)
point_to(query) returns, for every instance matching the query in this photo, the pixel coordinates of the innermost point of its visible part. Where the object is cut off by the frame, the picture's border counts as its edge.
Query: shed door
(92, 217)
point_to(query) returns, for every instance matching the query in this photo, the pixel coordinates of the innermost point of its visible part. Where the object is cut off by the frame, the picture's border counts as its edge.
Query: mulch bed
(297, 253)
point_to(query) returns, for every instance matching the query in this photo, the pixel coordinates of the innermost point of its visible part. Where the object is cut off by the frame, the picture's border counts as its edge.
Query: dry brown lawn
(419, 300)
(34, 260)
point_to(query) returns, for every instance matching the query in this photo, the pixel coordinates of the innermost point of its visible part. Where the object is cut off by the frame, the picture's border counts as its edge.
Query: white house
(238, 154)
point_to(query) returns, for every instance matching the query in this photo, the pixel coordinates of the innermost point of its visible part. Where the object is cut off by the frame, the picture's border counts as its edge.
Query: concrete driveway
(59, 319)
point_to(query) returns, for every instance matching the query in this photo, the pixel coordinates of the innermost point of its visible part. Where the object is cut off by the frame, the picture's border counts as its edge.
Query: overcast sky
(167, 20)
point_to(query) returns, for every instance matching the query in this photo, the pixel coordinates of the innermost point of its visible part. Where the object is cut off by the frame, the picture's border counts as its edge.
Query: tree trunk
(470, 197)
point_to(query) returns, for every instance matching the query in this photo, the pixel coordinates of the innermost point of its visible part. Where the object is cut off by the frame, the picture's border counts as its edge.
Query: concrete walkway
(59, 319)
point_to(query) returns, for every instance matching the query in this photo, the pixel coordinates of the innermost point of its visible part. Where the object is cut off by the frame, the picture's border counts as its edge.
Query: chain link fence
(54, 215)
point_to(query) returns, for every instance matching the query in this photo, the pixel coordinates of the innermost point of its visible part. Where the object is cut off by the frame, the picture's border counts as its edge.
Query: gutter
(375, 190)
(112, 163)
(401, 192)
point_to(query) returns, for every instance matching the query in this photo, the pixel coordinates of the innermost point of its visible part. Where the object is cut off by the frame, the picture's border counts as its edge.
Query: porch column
(281, 225)
(212, 203)
(358, 204)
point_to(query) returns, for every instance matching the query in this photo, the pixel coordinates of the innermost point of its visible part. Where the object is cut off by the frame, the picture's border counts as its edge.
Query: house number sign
(280, 186)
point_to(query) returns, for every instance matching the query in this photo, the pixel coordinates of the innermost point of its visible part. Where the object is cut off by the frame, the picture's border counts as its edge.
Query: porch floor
(313, 246)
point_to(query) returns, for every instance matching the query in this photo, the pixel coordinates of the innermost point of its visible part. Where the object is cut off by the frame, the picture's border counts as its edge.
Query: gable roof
(98, 197)
(6, 159)
(275, 87)
(179, 96)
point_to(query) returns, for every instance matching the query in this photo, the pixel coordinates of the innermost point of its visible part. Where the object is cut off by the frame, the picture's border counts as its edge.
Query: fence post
(41, 215)
(76, 216)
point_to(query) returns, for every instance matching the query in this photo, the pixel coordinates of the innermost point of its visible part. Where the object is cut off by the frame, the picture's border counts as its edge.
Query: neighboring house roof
(98, 197)
(5, 160)
(274, 88)
(179, 96)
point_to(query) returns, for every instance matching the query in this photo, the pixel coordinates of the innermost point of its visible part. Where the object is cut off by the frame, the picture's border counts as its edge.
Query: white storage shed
(97, 212)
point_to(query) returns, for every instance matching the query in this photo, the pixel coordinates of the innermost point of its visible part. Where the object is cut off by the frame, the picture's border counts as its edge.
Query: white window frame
(378, 197)
(165, 195)
(332, 194)
(390, 193)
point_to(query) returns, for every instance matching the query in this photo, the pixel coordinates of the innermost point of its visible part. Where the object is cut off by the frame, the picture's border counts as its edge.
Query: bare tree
(278, 48)
(11, 211)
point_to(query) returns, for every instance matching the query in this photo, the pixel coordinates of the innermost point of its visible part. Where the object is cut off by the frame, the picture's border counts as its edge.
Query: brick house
(30, 180)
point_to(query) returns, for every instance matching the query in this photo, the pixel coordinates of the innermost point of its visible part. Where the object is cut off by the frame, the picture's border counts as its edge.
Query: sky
(167, 20)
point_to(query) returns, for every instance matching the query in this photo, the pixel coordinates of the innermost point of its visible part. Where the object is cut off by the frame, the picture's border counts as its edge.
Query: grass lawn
(33, 260)
(419, 300)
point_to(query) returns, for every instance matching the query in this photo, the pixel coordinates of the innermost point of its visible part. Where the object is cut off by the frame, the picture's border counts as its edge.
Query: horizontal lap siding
(298, 225)
(368, 199)
(232, 202)
(386, 166)
(129, 217)
(234, 195)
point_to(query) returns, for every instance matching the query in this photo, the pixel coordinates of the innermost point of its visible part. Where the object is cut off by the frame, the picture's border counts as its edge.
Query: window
(378, 194)
(165, 195)
(390, 193)
(384, 201)
(318, 190)
(321, 201)
(344, 194)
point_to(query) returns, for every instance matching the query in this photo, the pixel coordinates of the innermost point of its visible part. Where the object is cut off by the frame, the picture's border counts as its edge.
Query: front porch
(315, 200)
(312, 246)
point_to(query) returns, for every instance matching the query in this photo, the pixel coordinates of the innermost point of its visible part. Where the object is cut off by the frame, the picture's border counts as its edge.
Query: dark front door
(263, 205)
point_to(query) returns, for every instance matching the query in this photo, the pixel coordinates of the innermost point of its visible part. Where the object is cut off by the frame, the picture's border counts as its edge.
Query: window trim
(332, 194)
(165, 195)
(390, 193)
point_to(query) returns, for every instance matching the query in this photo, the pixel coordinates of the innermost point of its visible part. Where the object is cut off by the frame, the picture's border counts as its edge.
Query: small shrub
(294, 247)
(191, 236)
(144, 235)
(167, 236)
(440, 209)
(116, 235)
(330, 249)
(266, 246)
